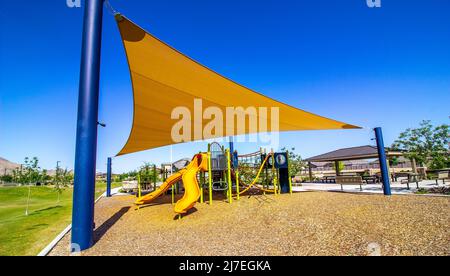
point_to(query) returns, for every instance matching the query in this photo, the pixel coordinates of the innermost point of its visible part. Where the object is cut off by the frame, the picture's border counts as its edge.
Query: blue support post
(231, 145)
(87, 124)
(233, 161)
(108, 178)
(383, 162)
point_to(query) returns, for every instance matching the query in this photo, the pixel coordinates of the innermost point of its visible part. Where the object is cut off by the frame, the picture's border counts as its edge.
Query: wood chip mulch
(312, 223)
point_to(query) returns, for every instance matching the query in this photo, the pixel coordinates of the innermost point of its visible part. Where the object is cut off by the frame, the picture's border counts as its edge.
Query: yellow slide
(191, 188)
(161, 190)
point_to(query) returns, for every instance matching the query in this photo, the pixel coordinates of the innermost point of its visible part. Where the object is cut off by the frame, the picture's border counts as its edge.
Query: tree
(296, 163)
(125, 176)
(393, 161)
(67, 178)
(45, 177)
(7, 178)
(57, 181)
(61, 180)
(341, 166)
(15, 175)
(247, 173)
(147, 173)
(32, 170)
(29, 172)
(428, 145)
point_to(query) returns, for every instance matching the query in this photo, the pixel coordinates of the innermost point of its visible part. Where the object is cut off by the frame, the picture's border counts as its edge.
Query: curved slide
(191, 187)
(172, 180)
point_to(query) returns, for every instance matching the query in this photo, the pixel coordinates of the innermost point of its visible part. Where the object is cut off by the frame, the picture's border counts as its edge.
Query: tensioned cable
(110, 8)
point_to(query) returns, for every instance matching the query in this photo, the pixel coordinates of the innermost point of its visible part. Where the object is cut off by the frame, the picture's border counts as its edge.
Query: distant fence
(362, 167)
(12, 184)
(8, 184)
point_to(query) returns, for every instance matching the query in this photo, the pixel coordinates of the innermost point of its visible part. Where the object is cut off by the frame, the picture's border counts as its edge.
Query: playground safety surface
(311, 223)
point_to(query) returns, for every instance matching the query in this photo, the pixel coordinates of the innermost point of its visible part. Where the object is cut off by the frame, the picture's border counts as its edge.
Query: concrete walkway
(396, 187)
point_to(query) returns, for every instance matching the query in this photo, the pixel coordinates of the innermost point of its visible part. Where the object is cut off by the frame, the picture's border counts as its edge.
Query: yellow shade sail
(164, 79)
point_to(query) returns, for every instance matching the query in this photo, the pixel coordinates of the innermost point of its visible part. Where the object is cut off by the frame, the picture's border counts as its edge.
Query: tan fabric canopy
(164, 79)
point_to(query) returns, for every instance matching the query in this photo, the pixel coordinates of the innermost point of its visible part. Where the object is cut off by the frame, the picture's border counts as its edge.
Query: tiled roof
(363, 152)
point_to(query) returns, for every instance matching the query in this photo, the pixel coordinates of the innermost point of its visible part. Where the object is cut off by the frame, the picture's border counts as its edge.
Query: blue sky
(387, 67)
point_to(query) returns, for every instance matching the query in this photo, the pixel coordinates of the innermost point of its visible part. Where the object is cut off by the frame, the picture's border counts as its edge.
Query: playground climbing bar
(237, 185)
(155, 178)
(202, 183)
(139, 186)
(275, 184)
(210, 176)
(289, 172)
(230, 182)
(173, 194)
(87, 124)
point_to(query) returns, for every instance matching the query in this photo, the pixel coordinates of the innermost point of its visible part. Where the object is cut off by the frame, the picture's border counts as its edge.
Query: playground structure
(218, 171)
(156, 71)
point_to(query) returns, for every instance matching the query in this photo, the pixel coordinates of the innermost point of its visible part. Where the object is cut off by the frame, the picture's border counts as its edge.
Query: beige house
(356, 160)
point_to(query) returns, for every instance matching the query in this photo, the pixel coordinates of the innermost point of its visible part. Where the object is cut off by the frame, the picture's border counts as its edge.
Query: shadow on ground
(37, 212)
(190, 212)
(101, 231)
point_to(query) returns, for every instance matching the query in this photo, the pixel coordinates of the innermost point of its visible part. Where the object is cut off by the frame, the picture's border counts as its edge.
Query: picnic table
(412, 178)
(396, 176)
(442, 175)
(373, 179)
(329, 179)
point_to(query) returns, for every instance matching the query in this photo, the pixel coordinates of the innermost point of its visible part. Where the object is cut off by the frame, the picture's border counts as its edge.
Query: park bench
(443, 175)
(350, 180)
(412, 178)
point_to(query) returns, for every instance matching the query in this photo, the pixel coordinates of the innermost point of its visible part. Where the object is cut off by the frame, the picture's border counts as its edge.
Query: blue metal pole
(87, 124)
(232, 150)
(231, 145)
(108, 178)
(383, 162)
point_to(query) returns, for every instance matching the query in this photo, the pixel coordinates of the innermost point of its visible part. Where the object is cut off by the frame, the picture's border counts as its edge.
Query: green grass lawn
(28, 235)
